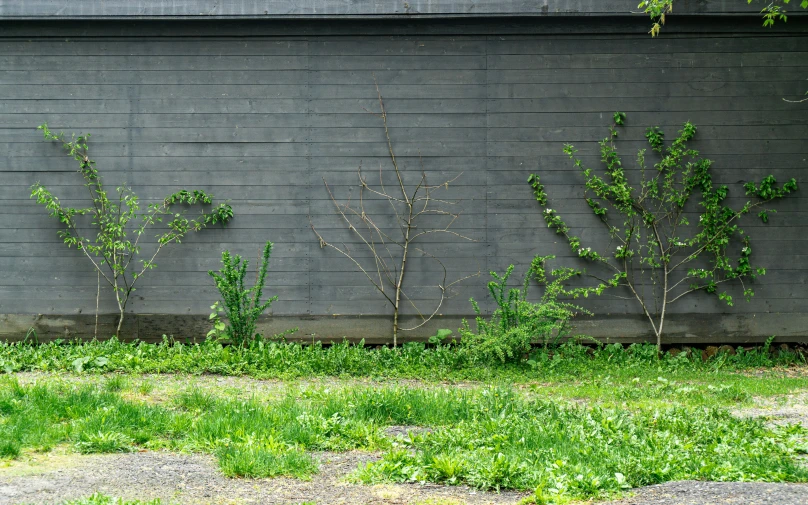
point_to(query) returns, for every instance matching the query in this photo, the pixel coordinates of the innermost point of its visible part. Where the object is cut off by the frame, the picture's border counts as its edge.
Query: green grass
(650, 389)
(267, 458)
(580, 453)
(568, 423)
(610, 375)
(145, 387)
(486, 437)
(101, 499)
(269, 359)
(115, 383)
(9, 449)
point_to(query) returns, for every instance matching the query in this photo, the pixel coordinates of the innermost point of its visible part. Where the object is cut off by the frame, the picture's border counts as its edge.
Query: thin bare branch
(323, 243)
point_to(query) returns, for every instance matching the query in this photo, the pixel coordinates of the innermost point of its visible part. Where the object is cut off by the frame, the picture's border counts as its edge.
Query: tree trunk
(395, 324)
(120, 322)
(97, 300)
(401, 273)
(659, 342)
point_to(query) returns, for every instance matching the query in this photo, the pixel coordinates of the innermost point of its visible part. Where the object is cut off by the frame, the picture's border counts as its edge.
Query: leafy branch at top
(658, 10)
(772, 12)
(660, 256)
(114, 247)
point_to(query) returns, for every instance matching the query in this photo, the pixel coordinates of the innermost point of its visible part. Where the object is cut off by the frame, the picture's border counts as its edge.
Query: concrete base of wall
(679, 328)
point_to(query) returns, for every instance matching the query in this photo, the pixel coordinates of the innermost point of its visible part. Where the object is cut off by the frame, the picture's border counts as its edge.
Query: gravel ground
(718, 493)
(195, 479)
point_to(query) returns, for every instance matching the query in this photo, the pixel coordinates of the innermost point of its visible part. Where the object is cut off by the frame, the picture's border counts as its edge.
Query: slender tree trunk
(664, 307)
(97, 299)
(398, 289)
(657, 331)
(665, 267)
(121, 307)
(662, 315)
(120, 322)
(395, 323)
(403, 267)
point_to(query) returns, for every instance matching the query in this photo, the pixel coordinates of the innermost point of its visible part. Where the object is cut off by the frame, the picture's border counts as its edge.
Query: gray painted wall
(259, 120)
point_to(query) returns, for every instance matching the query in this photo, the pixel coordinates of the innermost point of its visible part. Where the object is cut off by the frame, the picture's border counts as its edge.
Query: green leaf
(443, 333)
(78, 363)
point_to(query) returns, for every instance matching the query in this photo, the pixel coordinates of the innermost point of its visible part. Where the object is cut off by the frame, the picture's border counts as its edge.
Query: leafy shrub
(517, 323)
(242, 306)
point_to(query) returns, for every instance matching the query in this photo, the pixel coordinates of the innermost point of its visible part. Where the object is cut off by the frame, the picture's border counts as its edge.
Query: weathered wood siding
(156, 9)
(258, 114)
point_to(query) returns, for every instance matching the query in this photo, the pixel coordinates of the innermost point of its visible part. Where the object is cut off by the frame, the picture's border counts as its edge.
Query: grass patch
(115, 383)
(102, 499)
(489, 438)
(102, 442)
(579, 453)
(270, 359)
(567, 423)
(9, 449)
(268, 458)
(145, 387)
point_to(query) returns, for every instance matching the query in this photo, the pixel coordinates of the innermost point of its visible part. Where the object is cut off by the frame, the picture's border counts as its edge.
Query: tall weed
(241, 306)
(516, 324)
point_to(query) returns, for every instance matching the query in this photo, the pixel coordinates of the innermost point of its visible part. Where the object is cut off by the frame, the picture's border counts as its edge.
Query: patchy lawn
(216, 439)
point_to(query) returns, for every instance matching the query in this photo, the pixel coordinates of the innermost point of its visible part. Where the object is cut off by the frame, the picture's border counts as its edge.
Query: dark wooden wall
(259, 113)
(213, 9)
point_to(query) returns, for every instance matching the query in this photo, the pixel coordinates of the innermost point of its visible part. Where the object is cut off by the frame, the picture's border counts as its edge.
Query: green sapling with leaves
(114, 246)
(661, 256)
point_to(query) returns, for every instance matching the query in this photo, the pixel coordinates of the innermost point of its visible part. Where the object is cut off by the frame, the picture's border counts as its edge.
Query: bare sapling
(390, 247)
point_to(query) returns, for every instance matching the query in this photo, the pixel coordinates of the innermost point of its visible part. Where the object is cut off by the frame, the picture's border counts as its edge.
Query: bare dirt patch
(779, 410)
(795, 371)
(405, 432)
